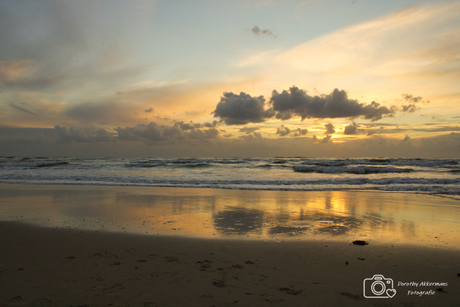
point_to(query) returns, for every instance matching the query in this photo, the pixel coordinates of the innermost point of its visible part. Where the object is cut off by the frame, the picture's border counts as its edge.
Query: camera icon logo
(378, 287)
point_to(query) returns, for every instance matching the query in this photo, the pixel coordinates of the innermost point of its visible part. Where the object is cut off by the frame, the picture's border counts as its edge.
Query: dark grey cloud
(257, 31)
(329, 128)
(80, 136)
(351, 129)
(149, 110)
(296, 102)
(241, 109)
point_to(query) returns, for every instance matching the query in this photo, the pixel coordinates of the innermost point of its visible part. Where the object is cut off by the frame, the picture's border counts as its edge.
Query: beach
(72, 260)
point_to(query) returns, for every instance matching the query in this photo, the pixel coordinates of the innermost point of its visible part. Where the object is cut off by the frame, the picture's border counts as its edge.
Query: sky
(310, 78)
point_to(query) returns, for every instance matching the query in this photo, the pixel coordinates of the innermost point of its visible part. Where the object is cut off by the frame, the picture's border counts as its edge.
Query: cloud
(447, 144)
(257, 31)
(249, 130)
(410, 108)
(413, 46)
(109, 111)
(191, 125)
(241, 109)
(300, 132)
(410, 98)
(13, 70)
(160, 134)
(149, 110)
(80, 136)
(326, 139)
(24, 136)
(55, 49)
(283, 131)
(296, 102)
(351, 129)
(329, 128)
(406, 139)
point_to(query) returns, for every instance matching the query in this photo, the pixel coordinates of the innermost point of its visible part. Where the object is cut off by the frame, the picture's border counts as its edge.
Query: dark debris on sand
(360, 242)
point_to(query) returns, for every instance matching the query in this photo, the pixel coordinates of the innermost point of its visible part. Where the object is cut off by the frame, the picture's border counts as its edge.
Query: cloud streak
(14, 106)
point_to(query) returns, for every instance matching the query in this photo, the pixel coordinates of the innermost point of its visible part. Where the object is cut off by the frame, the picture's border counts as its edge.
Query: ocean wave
(351, 170)
(52, 164)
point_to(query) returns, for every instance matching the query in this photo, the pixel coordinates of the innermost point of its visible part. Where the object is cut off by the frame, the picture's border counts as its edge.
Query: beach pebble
(360, 242)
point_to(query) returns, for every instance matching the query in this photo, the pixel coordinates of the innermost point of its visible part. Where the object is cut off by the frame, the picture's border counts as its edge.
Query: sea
(431, 176)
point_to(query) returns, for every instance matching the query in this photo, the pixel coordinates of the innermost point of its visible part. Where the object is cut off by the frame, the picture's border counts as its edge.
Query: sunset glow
(230, 78)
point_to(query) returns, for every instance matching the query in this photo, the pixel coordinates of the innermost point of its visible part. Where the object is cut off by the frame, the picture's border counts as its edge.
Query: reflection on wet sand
(375, 216)
(239, 221)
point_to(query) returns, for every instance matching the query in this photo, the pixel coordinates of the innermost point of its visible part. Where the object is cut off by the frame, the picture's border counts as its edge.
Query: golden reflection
(374, 216)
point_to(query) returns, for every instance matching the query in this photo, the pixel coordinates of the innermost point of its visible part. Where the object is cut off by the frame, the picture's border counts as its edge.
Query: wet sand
(55, 267)
(78, 266)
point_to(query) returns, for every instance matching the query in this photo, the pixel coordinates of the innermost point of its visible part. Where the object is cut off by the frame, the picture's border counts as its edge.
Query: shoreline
(56, 267)
(415, 192)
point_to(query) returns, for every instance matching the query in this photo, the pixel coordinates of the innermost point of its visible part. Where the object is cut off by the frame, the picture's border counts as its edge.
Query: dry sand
(57, 267)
